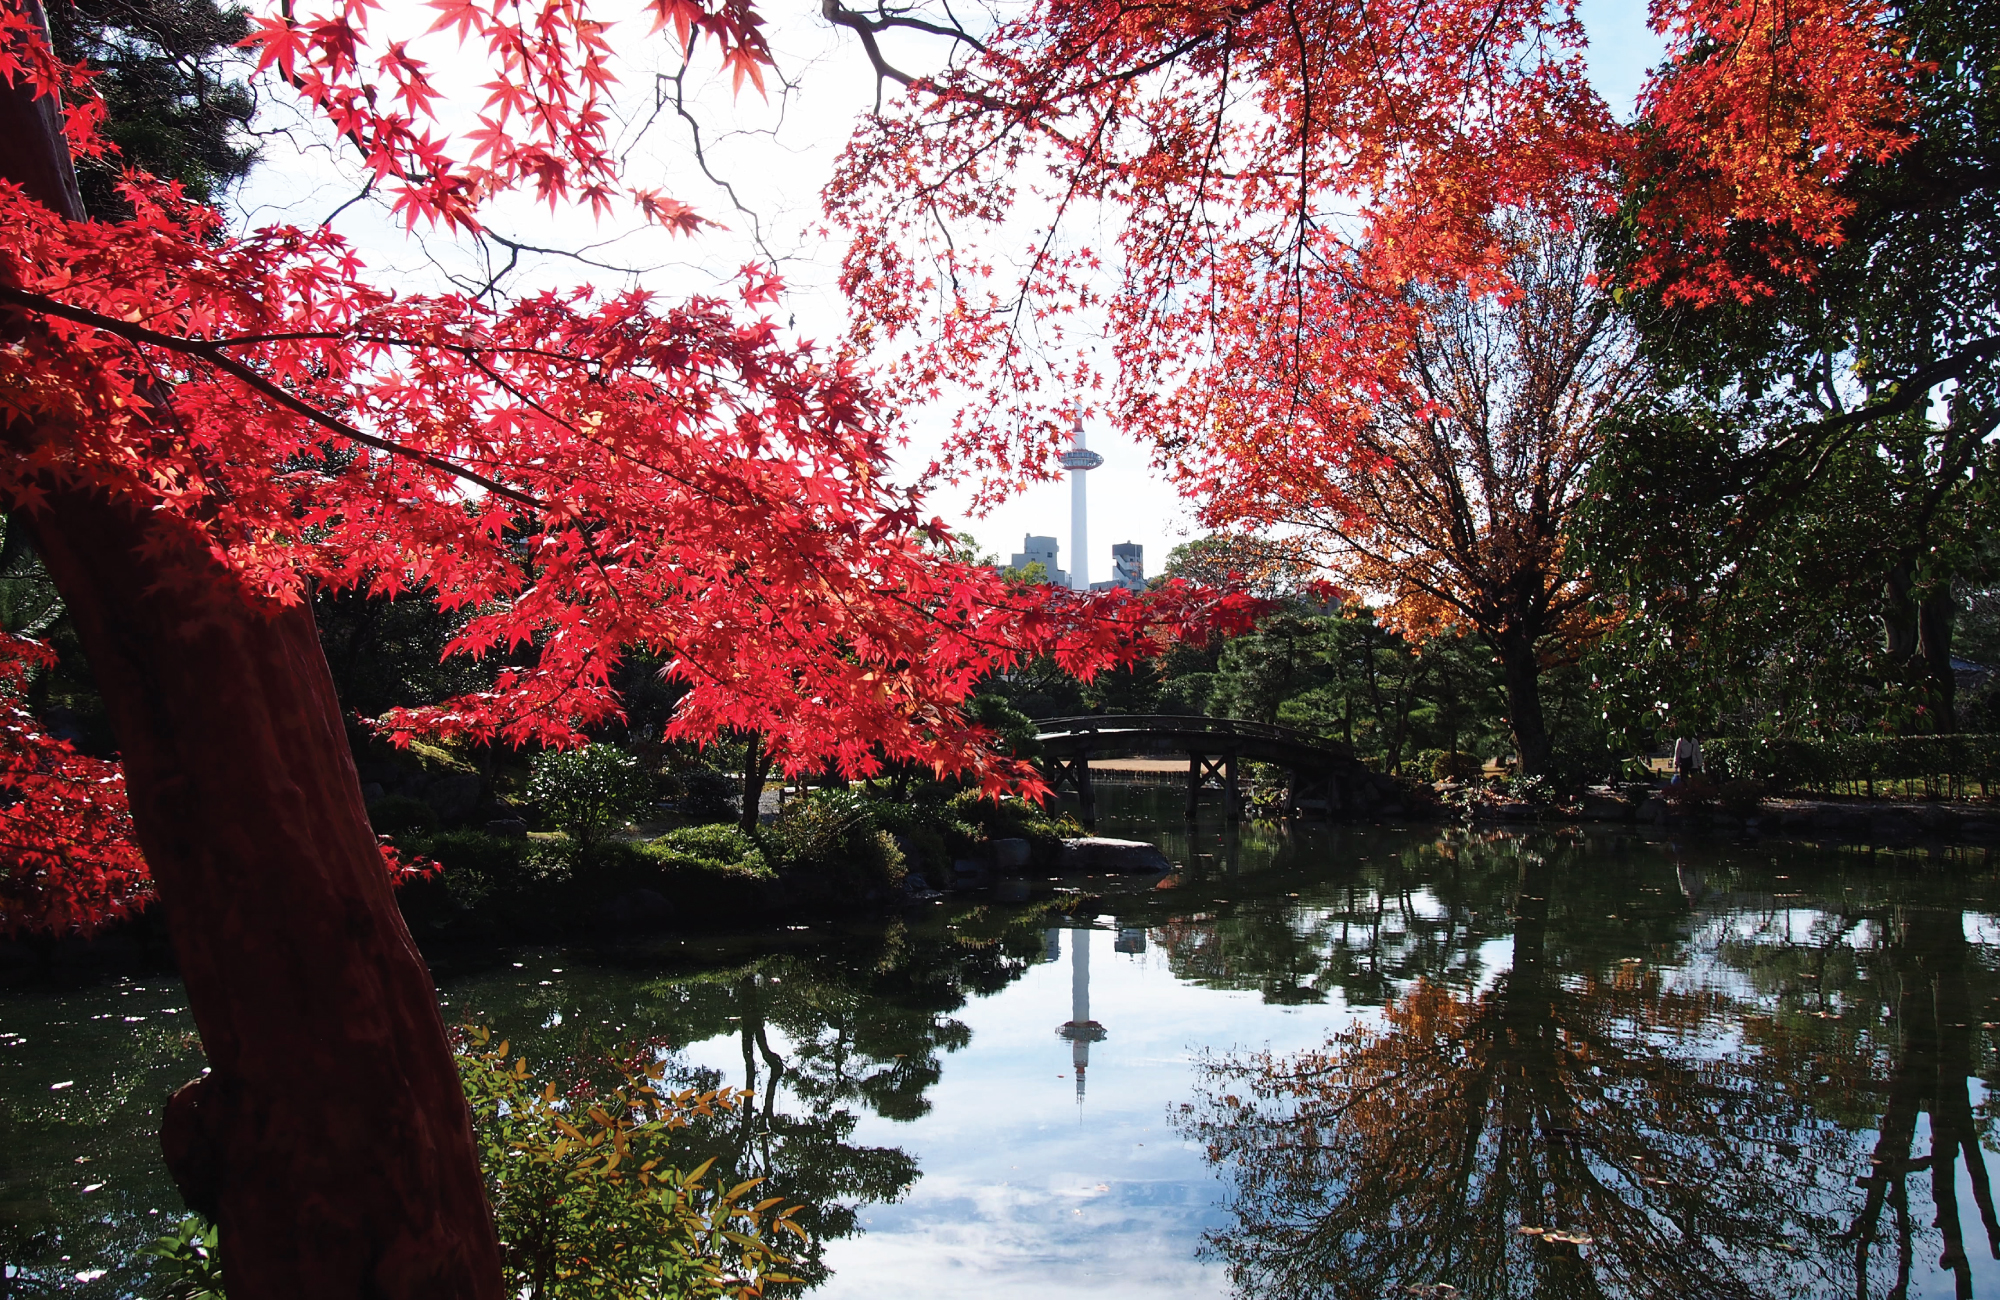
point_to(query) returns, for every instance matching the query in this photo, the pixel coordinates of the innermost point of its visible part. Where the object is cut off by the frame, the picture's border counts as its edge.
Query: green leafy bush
(1946, 764)
(711, 846)
(399, 814)
(833, 834)
(587, 1192)
(1455, 765)
(925, 829)
(997, 819)
(186, 1265)
(1578, 762)
(704, 795)
(588, 793)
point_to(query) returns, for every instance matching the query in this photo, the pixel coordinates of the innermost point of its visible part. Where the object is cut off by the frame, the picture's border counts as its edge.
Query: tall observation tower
(1079, 460)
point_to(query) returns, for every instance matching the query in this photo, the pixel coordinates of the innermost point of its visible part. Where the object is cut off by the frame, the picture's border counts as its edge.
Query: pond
(1316, 1062)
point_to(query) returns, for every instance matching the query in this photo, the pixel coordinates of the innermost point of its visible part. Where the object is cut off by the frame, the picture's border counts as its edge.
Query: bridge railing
(1220, 728)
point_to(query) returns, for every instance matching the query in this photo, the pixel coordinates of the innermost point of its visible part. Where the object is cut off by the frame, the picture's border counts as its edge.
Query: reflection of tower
(1081, 1031)
(1078, 460)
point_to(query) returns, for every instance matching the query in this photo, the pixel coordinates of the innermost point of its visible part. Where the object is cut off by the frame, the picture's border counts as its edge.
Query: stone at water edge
(1123, 857)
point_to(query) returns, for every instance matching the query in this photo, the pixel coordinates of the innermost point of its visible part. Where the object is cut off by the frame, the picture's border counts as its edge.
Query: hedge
(1943, 764)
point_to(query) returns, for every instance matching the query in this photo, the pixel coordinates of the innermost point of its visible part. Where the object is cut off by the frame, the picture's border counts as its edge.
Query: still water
(1354, 1062)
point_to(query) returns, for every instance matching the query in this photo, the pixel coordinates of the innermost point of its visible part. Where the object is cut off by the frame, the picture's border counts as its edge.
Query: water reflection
(1694, 1068)
(1574, 1123)
(824, 1034)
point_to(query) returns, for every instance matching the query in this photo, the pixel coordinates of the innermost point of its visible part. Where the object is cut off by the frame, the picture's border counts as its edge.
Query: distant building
(1042, 551)
(1128, 568)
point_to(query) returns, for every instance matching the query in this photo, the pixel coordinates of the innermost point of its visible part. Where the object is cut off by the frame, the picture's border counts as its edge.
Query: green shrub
(704, 795)
(588, 1195)
(930, 837)
(187, 1265)
(999, 819)
(1574, 764)
(398, 814)
(1455, 765)
(833, 834)
(1941, 763)
(588, 793)
(707, 848)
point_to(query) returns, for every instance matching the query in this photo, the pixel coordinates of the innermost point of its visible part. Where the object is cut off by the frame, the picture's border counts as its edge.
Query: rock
(970, 873)
(1009, 855)
(1120, 857)
(917, 889)
(453, 798)
(512, 828)
(1604, 806)
(1653, 811)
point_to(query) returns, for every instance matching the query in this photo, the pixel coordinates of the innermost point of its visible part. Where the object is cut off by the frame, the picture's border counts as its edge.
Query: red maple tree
(198, 425)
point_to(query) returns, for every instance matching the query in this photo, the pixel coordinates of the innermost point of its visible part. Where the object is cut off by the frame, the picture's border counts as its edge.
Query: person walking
(1687, 758)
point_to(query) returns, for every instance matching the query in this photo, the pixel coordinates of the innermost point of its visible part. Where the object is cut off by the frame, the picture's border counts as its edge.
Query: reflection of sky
(1024, 1193)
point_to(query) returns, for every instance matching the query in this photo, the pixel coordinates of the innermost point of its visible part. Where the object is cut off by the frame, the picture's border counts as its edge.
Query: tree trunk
(1935, 615)
(1920, 629)
(755, 765)
(1522, 672)
(330, 1139)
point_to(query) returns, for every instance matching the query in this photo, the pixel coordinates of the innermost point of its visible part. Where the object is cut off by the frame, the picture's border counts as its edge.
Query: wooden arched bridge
(1215, 749)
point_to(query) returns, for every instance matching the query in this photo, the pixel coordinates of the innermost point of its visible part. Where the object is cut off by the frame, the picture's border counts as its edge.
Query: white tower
(1079, 460)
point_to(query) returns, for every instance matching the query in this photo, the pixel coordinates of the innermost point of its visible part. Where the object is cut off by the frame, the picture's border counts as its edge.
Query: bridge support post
(1086, 793)
(1194, 783)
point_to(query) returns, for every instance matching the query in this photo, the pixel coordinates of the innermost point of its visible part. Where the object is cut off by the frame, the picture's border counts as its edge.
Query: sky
(775, 153)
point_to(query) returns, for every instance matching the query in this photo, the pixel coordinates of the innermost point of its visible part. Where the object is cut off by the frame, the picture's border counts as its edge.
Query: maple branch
(701, 154)
(841, 16)
(212, 352)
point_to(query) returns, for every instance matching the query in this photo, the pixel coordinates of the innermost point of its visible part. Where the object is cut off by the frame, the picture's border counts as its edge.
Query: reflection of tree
(1558, 1137)
(1872, 1016)
(859, 1023)
(1420, 911)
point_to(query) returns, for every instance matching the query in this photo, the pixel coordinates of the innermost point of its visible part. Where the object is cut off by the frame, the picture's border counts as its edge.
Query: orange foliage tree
(1456, 497)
